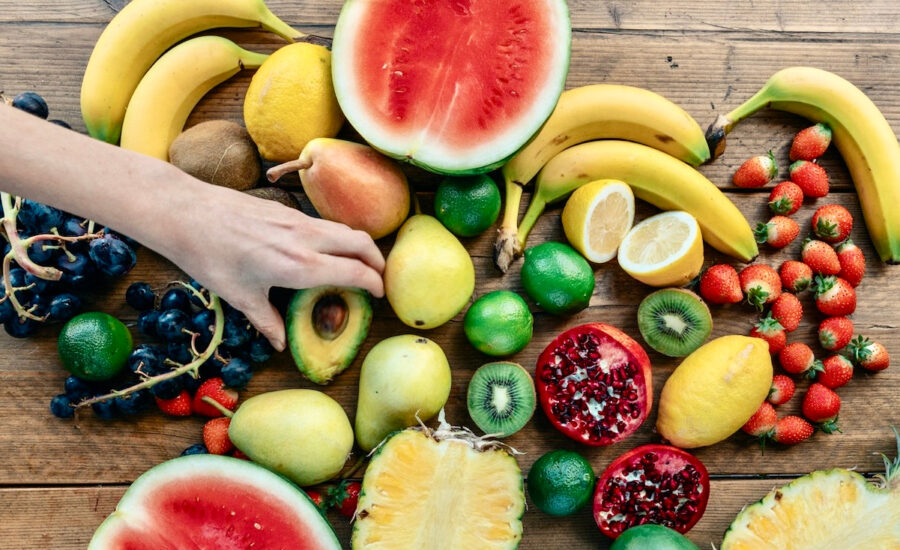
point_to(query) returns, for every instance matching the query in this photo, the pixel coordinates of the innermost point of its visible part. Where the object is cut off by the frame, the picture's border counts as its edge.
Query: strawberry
(868, 354)
(820, 257)
(834, 296)
(835, 333)
(853, 262)
(317, 498)
(810, 177)
(837, 370)
(791, 430)
(239, 454)
(215, 436)
(177, 406)
(762, 422)
(811, 143)
(761, 284)
(720, 285)
(821, 405)
(778, 232)
(215, 389)
(786, 198)
(344, 497)
(795, 276)
(771, 331)
(832, 223)
(798, 358)
(756, 172)
(788, 311)
(782, 389)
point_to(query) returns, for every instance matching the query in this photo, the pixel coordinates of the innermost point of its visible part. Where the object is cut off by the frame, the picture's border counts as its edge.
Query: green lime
(94, 346)
(499, 323)
(561, 482)
(652, 536)
(467, 206)
(557, 278)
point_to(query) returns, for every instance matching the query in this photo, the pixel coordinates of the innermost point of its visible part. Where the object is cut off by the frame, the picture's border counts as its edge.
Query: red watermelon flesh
(456, 86)
(214, 502)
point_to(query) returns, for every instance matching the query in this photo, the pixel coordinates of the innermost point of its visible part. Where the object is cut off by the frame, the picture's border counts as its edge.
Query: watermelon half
(454, 86)
(210, 501)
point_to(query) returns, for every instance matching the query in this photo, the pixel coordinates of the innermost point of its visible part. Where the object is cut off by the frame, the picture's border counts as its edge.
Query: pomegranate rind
(213, 501)
(456, 87)
(642, 384)
(677, 459)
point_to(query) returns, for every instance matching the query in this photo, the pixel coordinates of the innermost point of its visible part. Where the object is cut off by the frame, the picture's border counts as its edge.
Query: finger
(267, 321)
(340, 271)
(339, 240)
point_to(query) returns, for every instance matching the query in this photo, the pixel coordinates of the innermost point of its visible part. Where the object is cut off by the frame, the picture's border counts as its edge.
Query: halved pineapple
(825, 510)
(440, 490)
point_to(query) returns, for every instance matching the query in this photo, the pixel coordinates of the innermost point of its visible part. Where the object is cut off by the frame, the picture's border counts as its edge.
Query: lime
(560, 483)
(467, 206)
(557, 278)
(652, 536)
(94, 346)
(499, 323)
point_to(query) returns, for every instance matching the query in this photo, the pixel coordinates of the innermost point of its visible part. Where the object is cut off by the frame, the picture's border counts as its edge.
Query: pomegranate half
(656, 484)
(594, 384)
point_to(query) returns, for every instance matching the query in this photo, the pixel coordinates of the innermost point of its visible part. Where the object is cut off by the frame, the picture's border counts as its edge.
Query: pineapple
(440, 489)
(825, 510)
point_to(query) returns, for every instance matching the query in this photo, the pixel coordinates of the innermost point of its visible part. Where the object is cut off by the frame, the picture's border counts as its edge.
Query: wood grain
(69, 516)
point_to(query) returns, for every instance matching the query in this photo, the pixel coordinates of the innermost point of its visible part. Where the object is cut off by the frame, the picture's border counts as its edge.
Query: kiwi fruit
(501, 398)
(218, 152)
(674, 321)
(275, 194)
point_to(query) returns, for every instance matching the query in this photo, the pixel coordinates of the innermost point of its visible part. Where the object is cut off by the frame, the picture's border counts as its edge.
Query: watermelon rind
(130, 511)
(427, 155)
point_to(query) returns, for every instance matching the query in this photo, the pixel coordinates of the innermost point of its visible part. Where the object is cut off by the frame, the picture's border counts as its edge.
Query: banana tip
(715, 136)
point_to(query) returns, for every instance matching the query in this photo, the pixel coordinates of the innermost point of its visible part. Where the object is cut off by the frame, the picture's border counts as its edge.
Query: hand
(240, 246)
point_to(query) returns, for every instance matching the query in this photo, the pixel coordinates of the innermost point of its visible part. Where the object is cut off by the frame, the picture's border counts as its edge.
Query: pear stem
(417, 208)
(275, 173)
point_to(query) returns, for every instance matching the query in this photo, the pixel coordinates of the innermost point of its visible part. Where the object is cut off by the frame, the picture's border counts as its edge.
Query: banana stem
(719, 129)
(275, 173)
(506, 247)
(535, 209)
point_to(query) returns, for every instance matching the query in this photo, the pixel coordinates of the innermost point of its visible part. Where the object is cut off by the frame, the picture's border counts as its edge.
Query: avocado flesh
(326, 325)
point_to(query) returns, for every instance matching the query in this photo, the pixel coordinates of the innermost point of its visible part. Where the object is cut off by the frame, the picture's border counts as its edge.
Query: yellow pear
(429, 276)
(402, 378)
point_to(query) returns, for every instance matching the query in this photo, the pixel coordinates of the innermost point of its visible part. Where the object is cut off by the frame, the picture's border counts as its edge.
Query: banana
(599, 111)
(172, 87)
(860, 132)
(139, 34)
(655, 177)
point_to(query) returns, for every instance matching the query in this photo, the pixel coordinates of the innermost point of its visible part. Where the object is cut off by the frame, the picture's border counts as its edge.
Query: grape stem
(191, 368)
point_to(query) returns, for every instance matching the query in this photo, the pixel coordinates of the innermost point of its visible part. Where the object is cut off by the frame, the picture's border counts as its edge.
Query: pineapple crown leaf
(445, 431)
(891, 467)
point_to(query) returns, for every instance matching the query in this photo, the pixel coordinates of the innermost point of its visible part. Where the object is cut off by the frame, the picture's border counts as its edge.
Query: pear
(303, 435)
(351, 183)
(403, 380)
(429, 276)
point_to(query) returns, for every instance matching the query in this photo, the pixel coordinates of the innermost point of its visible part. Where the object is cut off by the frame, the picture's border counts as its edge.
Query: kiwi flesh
(674, 321)
(501, 398)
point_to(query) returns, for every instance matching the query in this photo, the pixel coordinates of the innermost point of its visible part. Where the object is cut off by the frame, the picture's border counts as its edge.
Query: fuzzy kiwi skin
(527, 403)
(660, 342)
(218, 152)
(275, 194)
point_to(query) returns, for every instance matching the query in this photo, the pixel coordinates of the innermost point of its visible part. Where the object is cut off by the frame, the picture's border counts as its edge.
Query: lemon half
(663, 250)
(596, 218)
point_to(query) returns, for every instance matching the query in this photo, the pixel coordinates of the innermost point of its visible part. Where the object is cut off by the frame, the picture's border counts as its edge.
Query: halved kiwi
(674, 321)
(501, 398)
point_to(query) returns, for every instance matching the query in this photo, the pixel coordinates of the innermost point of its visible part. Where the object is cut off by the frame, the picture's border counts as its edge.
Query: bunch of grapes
(183, 322)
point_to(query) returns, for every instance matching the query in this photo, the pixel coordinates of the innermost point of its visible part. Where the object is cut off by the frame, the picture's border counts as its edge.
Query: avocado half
(326, 325)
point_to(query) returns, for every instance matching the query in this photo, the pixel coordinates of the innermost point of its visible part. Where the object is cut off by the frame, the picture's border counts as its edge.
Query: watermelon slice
(211, 501)
(454, 86)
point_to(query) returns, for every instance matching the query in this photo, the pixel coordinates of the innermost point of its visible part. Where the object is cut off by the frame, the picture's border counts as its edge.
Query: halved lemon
(663, 250)
(596, 218)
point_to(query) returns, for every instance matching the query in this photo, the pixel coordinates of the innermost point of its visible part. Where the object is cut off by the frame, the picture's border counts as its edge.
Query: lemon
(291, 101)
(714, 391)
(663, 250)
(596, 218)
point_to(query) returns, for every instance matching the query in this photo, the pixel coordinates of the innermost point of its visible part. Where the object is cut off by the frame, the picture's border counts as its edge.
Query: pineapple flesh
(440, 490)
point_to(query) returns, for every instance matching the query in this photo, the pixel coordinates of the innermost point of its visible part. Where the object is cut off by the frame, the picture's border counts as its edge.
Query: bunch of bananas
(647, 141)
(136, 91)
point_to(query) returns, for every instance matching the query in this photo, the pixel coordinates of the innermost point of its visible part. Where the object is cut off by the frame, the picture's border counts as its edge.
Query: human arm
(236, 245)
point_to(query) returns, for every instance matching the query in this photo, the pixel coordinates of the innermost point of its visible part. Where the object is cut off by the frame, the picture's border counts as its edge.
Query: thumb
(268, 322)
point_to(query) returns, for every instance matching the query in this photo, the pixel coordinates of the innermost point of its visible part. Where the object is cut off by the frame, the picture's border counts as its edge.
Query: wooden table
(58, 480)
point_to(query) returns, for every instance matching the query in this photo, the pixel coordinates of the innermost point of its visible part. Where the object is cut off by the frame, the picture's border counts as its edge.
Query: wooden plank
(703, 75)
(877, 17)
(42, 449)
(65, 518)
